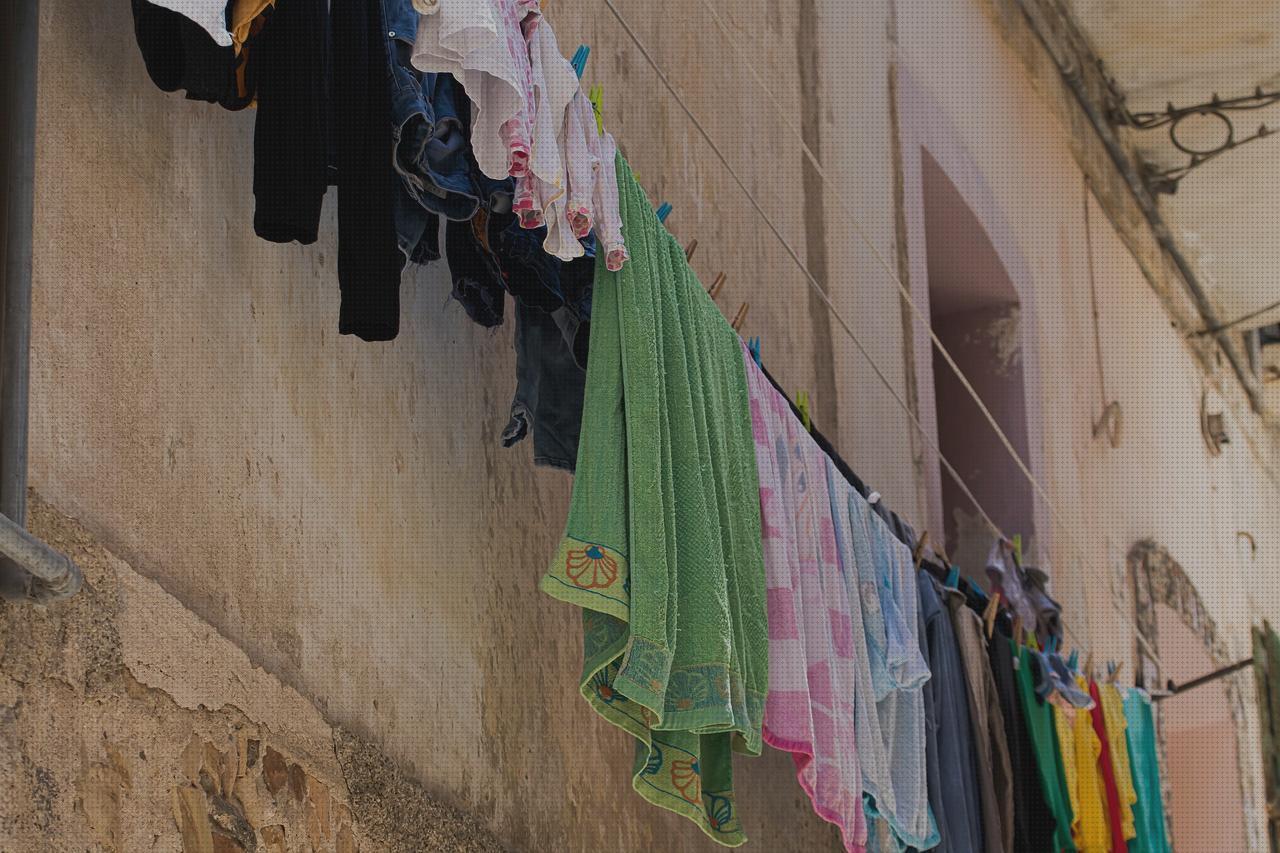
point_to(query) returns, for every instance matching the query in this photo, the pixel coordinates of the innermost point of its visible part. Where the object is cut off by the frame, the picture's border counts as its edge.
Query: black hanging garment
(291, 138)
(369, 257)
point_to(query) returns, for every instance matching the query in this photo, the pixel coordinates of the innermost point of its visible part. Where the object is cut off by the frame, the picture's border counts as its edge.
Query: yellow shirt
(1113, 714)
(1081, 750)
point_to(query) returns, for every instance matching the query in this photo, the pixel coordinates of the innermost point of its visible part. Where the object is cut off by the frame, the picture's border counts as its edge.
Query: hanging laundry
(953, 777)
(428, 143)
(431, 147)
(1034, 822)
(812, 654)
(292, 129)
(1051, 763)
(991, 747)
(1006, 578)
(550, 379)
(554, 86)
(609, 221)
(243, 15)
(180, 55)
(473, 265)
(1148, 811)
(1107, 769)
(662, 547)
(1112, 707)
(1081, 751)
(888, 702)
(483, 44)
(211, 15)
(369, 256)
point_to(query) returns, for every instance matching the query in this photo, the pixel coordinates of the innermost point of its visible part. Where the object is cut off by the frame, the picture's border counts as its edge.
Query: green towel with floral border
(662, 549)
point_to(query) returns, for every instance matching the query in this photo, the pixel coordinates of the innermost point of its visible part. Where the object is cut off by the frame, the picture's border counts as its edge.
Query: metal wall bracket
(1221, 110)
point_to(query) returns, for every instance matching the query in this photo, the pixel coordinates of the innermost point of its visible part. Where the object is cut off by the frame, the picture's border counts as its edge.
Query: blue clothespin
(953, 578)
(753, 347)
(1074, 660)
(579, 61)
(664, 210)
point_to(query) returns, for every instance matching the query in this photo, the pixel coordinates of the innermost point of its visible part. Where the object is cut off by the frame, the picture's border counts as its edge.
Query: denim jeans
(477, 277)
(427, 142)
(549, 388)
(430, 144)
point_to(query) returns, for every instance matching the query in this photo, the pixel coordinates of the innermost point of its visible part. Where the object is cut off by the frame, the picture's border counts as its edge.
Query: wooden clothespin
(989, 615)
(596, 97)
(802, 403)
(714, 290)
(740, 316)
(1114, 672)
(1017, 630)
(664, 210)
(1088, 667)
(690, 249)
(917, 556)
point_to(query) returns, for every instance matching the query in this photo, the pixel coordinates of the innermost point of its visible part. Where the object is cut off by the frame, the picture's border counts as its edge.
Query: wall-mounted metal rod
(1175, 689)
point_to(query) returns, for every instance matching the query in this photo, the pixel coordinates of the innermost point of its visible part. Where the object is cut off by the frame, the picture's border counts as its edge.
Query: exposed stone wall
(128, 724)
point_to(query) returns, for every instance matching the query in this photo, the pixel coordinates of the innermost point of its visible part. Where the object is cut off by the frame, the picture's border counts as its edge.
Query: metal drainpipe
(31, 569)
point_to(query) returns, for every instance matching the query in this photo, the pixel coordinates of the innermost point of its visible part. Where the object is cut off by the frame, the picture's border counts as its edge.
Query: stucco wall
(343, 511)
(128, 724)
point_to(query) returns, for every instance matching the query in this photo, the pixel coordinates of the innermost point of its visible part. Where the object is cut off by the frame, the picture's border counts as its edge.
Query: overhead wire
(822, 295)
(825, 298)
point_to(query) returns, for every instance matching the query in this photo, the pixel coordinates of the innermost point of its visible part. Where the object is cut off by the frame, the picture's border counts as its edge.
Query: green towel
(662, 548)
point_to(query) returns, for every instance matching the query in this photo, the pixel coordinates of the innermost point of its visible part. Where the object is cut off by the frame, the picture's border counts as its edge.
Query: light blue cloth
(1148, 812)
(888, 700)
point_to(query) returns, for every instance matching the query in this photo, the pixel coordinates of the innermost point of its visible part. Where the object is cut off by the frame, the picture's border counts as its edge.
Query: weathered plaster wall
(343, 512)
(128, 724)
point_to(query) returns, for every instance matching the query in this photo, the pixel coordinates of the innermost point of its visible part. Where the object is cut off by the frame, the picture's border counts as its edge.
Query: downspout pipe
(31, 569)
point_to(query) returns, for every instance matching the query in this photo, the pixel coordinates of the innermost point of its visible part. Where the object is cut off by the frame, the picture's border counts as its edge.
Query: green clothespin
(1017, 548)
(596, 96)
(802, 403)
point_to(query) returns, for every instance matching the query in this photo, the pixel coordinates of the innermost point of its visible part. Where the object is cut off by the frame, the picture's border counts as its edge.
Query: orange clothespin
(989, 615)
(714, 290)
(690, 249)
(740, 316)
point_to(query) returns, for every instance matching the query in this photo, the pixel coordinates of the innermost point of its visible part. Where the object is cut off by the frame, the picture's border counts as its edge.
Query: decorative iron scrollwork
(1217, 108)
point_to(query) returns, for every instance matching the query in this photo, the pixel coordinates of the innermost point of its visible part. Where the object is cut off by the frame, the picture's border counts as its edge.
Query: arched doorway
(1198, 730)
(975, 311)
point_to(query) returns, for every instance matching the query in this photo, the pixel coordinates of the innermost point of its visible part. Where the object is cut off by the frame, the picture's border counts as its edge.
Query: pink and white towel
(810, 710)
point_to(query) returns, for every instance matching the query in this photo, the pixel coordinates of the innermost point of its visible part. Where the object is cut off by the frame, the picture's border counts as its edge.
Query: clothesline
(1055, 514)
(739, 584)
